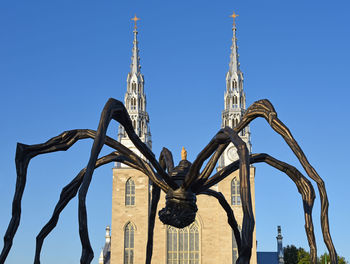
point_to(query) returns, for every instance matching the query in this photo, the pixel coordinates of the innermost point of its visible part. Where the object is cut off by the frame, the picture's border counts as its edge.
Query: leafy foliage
(294, 255)
(290, 255)
(324, 259)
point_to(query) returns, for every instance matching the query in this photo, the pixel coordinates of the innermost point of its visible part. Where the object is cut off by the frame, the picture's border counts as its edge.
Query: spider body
(181, 184)
(180, 210)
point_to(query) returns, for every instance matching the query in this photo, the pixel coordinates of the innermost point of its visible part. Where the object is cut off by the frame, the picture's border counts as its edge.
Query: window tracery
(130, 192)
(183, 245)
(133, 103)
(133, 87)
(129, 231)
(235, 192)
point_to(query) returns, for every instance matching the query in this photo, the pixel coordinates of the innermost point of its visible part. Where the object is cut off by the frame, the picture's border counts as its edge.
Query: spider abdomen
(180, 208)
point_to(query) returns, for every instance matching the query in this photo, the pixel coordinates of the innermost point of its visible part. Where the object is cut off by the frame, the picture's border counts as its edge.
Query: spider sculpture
(181, 184)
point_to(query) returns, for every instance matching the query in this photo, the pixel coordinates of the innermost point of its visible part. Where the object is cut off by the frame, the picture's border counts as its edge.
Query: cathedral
(209, 239)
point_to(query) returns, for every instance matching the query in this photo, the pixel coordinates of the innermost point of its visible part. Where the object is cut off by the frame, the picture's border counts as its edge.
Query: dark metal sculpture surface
(181, 184)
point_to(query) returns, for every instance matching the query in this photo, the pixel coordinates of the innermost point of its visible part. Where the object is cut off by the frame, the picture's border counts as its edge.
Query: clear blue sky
(61, 60)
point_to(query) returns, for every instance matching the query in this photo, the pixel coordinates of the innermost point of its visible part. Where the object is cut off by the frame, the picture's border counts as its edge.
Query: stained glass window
(129, 244)
(183, 245)
(235, 192)
(130, 192)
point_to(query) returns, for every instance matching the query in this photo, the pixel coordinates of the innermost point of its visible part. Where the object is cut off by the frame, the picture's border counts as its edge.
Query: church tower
(135, 101)
(131, 188)
(234, 100)
(234, 109)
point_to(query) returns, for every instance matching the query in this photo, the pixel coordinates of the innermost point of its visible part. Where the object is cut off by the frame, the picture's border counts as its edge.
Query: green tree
(303, 256)
(290, 255)
(294, 255)
(324, 259)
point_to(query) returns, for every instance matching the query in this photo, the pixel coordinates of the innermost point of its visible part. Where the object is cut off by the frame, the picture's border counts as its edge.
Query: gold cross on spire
(135, 18)
(234, 18)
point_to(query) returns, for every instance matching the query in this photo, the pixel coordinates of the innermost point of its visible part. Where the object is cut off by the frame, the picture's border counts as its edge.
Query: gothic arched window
(234, 84)
(133, 103)
(235, 101)
(183, 245)
(129, 231)
(133, 86)
(235, 192)
(130, 192)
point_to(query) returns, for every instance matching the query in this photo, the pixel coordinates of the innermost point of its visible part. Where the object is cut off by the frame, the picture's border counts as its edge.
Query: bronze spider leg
(69, 192)
(224, 137)
(230, 215)
(167, 163)
(113, 109)
(166, 160)
(306, 190)
(151, 222)
(210, 166)
(62, 142)
(304, 186)
(263, 108)
(24, 153)
(218, 143)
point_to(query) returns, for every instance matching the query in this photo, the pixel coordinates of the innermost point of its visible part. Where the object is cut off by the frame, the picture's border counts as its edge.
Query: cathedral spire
(135, 99)
(234, 63)
(234, 100)
(135, 59)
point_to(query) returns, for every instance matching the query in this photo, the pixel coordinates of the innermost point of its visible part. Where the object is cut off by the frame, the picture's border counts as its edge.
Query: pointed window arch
(235, 101)
(235, 192)
(129, 192)
(234, 84)
(133, 87)
(183, 245)
(129, 232)
(133, 103)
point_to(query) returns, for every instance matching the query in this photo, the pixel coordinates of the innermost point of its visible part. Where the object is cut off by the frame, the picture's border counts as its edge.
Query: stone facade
(215, 235)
